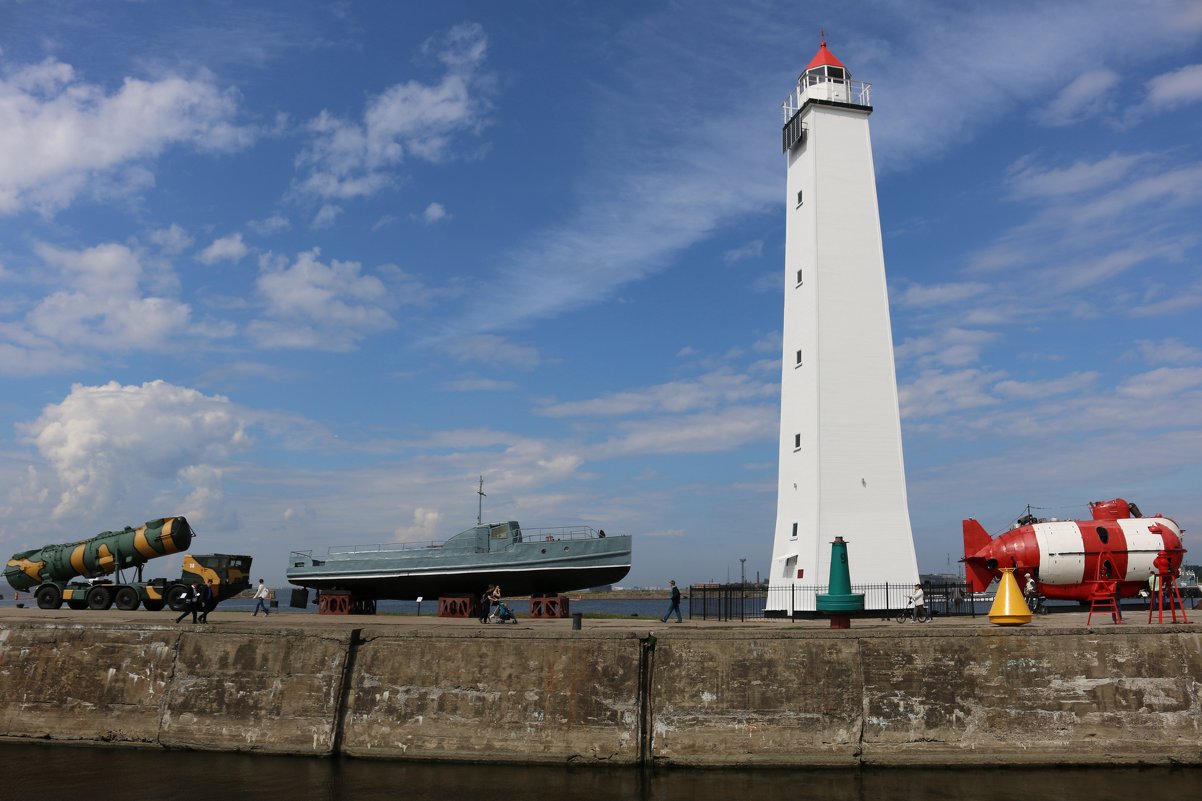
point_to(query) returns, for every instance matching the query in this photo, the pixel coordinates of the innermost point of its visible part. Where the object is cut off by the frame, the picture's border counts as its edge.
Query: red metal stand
(1167, 586)
(344, 602)
(553, 606)
(457, 606)
(334, 602)
(1101, 599)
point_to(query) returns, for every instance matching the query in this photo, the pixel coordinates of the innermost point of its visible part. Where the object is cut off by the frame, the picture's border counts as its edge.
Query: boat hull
(528, 568)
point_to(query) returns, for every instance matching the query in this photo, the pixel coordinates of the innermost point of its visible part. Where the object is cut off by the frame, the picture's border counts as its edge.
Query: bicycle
(923, 616)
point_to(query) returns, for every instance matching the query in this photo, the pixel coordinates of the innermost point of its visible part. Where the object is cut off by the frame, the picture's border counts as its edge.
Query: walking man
(191, 603)
(674, 603)
(261, 596)
(208, 601)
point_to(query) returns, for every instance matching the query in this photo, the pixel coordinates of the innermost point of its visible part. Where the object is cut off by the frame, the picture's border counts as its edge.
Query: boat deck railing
(527, 535)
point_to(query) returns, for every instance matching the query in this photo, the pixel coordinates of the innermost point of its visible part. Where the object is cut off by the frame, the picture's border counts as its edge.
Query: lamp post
(742, 588)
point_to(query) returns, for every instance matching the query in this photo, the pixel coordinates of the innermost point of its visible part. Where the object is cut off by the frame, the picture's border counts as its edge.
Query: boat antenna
(480, 511)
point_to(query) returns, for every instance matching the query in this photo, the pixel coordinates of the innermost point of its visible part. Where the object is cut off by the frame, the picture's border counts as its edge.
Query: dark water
(110, 774)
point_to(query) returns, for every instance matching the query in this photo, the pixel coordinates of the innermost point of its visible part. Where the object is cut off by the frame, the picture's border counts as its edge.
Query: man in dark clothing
(674, 606)
(208, 601)
(191, 603)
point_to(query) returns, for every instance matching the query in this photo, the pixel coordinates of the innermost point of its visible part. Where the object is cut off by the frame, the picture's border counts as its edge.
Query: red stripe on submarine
(1064, 557)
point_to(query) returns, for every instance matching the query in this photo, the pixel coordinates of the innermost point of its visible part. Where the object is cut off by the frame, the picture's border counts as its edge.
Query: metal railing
(526, 535)
(837, 90)
(752, 601)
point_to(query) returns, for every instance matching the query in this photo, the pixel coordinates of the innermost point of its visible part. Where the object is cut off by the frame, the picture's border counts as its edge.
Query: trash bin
(576, 618)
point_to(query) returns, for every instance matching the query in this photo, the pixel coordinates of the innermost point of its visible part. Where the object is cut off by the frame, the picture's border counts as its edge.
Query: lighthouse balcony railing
(820, 87)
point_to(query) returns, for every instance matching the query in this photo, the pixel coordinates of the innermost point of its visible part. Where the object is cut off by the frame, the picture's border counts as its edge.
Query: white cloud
(950, 347)
(1172, 351)
(310, 304)
(427, 527)
(481, 385)
(1163, 382)
(935, 393)
(109, 445)
(493, 350)
(1024, 180)
(434, 213)
(227, 248)
(346, 159)
(707, 432)
(272, 225)
(1177, 88)
(326, 215)
(58, 134)
(1037, 390)
(920, 296)
(1088, 95)
(750, 250)
(172, 239)
(711, 391)
(985, 86)
(101, 306)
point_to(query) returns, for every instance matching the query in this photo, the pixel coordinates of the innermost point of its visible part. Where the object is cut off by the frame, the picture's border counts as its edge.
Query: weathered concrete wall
(1031, 697)
(490, 697)
(931, 696)
(161, 686)
(77, 683)
(548, 694)
(273, 691)
(763, 700)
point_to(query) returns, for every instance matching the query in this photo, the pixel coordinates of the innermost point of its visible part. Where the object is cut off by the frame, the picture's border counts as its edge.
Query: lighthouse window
(799, 277)
(798, 359)
(797, 442)
(799, 197)
(794, 531)
(1103, 534)
(835, 72)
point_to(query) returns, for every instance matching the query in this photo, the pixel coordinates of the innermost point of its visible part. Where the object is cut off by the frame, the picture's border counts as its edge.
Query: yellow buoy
(1009, 607)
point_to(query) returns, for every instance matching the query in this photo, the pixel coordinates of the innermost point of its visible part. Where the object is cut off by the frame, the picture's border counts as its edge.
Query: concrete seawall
(544, 693)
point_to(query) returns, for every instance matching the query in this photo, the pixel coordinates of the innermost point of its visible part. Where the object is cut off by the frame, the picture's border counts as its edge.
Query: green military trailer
(89, 574)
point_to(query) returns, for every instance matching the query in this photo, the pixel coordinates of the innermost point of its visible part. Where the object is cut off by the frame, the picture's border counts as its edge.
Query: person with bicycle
(918, 602)
(1032, 596)
(1030, 589)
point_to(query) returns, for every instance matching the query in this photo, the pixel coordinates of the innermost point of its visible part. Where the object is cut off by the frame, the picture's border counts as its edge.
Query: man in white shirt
(261, 596)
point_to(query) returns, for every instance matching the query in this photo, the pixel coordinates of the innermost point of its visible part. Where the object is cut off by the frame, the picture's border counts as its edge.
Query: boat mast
(480, 510)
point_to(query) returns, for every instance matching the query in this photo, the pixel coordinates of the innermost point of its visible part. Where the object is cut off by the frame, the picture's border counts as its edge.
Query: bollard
(576, 618)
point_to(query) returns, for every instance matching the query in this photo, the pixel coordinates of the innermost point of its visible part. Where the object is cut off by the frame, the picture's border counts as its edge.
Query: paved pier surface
(618, 691)
(1132, 617)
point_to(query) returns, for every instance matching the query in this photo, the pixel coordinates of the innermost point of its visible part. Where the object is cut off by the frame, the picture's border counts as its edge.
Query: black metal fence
(752, 601)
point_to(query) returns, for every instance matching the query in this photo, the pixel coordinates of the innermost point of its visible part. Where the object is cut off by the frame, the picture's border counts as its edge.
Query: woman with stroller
(490, 596)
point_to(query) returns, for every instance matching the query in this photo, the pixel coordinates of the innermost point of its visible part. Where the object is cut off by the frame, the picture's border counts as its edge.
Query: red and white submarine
(1066, 557)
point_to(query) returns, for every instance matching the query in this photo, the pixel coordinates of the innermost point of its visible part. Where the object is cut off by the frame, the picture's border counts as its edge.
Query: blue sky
(304, 271)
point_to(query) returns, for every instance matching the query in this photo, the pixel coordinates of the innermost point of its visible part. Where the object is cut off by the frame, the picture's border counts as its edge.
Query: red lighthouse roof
(824, 57)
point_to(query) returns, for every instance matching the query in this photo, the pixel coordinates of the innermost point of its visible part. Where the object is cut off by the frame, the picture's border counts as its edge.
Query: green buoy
(840, 600)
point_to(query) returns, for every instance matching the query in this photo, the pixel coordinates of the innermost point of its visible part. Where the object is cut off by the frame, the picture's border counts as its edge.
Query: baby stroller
(501, 613)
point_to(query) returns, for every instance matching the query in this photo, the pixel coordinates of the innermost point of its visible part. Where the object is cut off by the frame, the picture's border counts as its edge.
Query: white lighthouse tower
(841, 468)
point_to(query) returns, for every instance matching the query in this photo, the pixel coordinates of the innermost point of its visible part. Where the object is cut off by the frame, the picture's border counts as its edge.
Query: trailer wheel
(99, 598)
(177, 597)
(126, 599)
(49, 597)
(153, 605)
